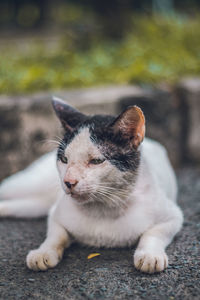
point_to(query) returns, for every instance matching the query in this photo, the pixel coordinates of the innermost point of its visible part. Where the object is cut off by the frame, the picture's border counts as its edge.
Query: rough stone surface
(188, 92)
(24, 136)
(111, 275)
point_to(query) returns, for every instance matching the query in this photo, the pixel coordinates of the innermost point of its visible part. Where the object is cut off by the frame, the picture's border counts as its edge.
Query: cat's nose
(71, 184)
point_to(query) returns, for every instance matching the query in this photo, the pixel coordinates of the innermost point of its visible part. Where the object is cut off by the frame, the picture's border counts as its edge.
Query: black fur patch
(114, 146)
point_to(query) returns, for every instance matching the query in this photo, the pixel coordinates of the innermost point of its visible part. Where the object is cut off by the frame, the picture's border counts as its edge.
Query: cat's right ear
(68, 115)
(131, 124)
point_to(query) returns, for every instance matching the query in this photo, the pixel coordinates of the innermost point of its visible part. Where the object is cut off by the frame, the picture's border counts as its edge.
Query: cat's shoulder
(150, 145)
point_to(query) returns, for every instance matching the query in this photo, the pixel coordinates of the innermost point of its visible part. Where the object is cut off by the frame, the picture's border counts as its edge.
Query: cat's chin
(80, 198)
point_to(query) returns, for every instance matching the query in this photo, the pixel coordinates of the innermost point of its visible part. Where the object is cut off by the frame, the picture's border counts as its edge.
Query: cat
(115, 188)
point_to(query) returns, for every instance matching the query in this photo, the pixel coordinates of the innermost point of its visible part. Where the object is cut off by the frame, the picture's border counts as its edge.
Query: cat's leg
(150, 255)
(51, 250)
(24, 208)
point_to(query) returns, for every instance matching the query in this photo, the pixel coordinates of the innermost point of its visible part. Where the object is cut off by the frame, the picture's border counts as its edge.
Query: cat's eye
(64, 159)
(96, 161)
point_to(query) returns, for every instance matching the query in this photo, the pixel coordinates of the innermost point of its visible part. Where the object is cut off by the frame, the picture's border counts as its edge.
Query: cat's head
(99, 155)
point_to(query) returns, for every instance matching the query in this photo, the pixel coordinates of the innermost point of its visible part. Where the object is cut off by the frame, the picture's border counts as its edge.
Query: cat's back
(155, 158)
(39, 178)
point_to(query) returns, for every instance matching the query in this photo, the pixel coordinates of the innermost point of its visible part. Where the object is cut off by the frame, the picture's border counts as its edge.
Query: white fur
(31, 192)
(150, 215)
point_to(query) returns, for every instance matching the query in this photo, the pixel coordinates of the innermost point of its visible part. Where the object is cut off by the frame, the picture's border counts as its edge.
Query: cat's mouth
(79, 197)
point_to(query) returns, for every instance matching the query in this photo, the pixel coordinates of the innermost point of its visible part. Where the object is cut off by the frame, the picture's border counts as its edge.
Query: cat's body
(114, 191)
(119, 229)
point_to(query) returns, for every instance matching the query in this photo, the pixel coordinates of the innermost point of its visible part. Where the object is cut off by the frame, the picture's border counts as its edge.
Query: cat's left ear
(68, 115)
(131, 124)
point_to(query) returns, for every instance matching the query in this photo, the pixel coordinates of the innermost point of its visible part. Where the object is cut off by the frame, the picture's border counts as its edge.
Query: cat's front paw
(41, 260)
(150, 261)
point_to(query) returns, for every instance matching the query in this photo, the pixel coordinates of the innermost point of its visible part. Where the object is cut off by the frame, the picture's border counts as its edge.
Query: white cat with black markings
(113, 190)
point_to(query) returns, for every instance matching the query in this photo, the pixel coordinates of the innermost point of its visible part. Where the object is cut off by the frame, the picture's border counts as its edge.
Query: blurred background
(101, 56)
(48, 45)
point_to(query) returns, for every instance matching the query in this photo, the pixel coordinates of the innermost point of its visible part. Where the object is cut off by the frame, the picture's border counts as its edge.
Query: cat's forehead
(81, 146)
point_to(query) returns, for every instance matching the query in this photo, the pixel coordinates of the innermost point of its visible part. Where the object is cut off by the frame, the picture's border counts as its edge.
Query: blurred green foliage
(155, 49)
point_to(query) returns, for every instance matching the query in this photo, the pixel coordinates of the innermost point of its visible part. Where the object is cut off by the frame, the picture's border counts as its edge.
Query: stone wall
(27, 124)
(188, 93)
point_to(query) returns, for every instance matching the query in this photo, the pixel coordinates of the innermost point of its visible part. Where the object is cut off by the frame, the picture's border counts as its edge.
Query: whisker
(111, 188)
(51, 141)
(114, 194)
(100, 193)
(59, 143)
(113, 201)
(119, 192)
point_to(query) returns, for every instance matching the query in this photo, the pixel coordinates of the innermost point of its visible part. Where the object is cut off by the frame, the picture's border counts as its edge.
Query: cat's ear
(68, 115)
(131, 124)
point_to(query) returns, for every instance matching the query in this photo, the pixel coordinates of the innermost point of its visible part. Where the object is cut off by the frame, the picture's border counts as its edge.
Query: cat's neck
(101, 211)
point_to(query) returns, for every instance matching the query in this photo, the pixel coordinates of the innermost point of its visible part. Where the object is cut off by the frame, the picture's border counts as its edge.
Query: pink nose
(71, 184)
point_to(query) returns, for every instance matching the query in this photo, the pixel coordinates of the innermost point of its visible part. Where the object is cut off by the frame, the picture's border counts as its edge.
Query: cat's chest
(103, 232)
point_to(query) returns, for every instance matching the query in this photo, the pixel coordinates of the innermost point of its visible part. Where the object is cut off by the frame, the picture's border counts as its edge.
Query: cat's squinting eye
(96, 161)
(64, 159)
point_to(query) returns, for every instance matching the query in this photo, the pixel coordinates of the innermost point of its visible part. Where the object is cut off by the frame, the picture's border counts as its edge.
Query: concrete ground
(111, 275)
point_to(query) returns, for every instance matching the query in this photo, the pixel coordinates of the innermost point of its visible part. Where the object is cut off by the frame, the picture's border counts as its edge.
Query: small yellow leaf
(93, 255)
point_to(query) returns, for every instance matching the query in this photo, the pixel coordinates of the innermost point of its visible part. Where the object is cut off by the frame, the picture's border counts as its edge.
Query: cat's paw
(150, 261)
(41, 260)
